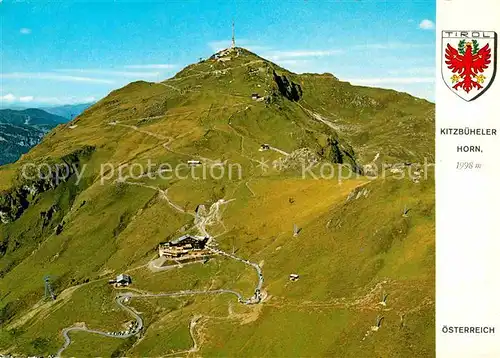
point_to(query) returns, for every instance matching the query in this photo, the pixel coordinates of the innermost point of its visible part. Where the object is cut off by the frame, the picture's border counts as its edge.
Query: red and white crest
(468, 62)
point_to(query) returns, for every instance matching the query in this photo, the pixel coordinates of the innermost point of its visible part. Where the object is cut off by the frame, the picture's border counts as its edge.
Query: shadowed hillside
(21, 130)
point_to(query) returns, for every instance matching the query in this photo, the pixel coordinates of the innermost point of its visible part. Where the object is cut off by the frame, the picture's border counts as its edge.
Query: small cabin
(193, 162)
(123, 280)
(255, 96)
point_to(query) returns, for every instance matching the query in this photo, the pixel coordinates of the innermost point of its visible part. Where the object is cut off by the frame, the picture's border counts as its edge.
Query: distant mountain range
(20, 130)
(69, 111)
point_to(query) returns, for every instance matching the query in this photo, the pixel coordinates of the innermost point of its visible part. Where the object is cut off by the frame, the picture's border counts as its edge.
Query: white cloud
(12, 98)
(87, 99)
(26, 99)
(391, 80)
(25, 31)
(217, 46)
(413, 71)
(256, 48)
(133, 74)
(154, 66)
(63, 100)
(426, 24)
(294, 62)
(8, 97)
(53, 77)
(390, 45)
(278, 55)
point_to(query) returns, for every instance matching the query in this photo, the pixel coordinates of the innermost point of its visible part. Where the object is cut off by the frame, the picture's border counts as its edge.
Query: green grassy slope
(354, 243)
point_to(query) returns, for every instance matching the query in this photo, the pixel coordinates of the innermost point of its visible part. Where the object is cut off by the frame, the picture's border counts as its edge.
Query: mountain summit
(366, 121)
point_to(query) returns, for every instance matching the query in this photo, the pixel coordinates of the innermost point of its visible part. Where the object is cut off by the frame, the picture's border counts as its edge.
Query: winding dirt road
(119, 301)
(201, 221)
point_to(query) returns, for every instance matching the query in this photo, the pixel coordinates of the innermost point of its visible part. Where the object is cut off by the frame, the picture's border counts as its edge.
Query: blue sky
(58, 52)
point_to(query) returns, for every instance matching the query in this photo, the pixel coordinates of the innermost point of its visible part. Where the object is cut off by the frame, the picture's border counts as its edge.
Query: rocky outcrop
(13, 204)
(4, 217)
(287, 88)
(300, 158)
(358, 193)
(59, 228)
(47, 216)
(16, 200)
(339, 153)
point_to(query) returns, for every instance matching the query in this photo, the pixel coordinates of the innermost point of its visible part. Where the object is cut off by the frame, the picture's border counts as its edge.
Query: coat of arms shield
(468, 62)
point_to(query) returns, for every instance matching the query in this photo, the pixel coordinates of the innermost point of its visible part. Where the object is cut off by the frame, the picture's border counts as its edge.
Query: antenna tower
(233, 43)
(48, 289)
